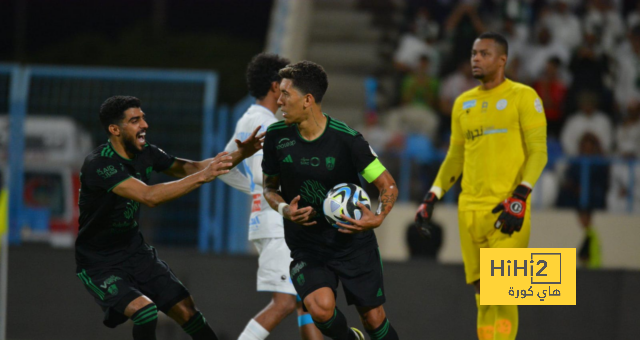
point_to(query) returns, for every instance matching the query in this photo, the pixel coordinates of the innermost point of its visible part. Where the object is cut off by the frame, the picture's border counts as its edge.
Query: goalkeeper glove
(424, 213)
(513, 209)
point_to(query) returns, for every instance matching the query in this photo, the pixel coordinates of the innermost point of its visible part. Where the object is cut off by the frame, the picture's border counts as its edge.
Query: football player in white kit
(266, 228)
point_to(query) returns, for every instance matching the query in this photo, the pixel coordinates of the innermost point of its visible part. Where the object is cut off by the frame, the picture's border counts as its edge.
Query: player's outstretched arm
(388, 196)
(184, 167)
(271, 185)
(154, 195)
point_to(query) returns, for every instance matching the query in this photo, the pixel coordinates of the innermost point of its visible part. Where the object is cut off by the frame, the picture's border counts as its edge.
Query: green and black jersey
(310, 169)
(108, 224)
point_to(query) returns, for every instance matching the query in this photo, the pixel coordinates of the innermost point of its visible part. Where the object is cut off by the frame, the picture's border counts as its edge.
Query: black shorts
(141, 274)
(361, 277)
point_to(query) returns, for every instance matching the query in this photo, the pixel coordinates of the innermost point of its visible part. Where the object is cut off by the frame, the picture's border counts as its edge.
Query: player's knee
(321, 309)
(182, 312)
(372, 318)
(285, 304)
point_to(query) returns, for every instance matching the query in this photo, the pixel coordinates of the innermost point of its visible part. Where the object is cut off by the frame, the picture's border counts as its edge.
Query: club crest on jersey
(285, 143)
(501, 105)
(331, 163)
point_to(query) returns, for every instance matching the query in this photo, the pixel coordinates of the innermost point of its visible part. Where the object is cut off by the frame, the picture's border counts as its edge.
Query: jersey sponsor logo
(501, 105)
(285, 143)
(331, 163)
(313, 161)
(477, 133)
(255, 206)
(538, 105)
(313, 192)
(469, 104)
(287, 159)
(107, 172)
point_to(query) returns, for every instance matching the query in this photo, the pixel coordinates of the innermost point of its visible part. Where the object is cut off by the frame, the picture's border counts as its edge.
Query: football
(343, 199)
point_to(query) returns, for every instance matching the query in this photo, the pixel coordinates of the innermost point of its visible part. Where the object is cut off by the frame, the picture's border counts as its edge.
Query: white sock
(254, 331)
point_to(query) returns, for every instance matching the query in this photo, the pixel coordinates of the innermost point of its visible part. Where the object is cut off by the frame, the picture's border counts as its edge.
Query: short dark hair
(307, 77)
(498, 38)
(112, 110)
(262, 71)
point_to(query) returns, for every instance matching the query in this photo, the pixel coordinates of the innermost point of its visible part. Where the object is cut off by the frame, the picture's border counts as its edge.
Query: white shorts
(273, 266)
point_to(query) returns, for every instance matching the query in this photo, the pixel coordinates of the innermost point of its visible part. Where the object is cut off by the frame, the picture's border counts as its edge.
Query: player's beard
(130, 144)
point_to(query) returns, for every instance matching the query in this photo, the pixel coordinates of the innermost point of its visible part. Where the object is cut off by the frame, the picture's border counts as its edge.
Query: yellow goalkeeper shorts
(477, 231)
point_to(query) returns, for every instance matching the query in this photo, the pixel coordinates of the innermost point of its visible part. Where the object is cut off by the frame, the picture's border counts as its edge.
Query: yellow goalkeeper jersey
(491, 125)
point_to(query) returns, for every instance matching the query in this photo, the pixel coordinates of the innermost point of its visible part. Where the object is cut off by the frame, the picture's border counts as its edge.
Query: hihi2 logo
(528, 276)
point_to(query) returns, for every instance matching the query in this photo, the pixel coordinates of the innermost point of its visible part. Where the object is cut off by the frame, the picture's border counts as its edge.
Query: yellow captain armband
(373, 171)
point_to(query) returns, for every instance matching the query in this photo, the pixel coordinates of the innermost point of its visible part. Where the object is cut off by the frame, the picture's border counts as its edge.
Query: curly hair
(112, 110)
(307, 77)
(262, 71)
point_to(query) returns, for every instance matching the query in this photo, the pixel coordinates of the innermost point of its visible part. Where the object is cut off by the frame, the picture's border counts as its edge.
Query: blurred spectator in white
(454, 84)
(587, 120)
(553, 91)
(633, 18)
(603, 19)
(563, 23)
(421, 89)
(410, 49)
(628, 73)
(628, 142)
(427, 29)
(537, 55)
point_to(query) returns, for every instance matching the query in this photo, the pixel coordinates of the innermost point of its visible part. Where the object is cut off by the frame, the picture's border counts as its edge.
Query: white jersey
(264, 222)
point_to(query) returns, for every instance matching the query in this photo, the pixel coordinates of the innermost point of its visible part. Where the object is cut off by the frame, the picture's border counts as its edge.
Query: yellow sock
(497, 322)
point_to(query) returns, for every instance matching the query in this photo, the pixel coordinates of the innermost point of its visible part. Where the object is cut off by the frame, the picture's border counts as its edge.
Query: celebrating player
(498, 142)
(119, 269)
(266, 229)
(304, 156)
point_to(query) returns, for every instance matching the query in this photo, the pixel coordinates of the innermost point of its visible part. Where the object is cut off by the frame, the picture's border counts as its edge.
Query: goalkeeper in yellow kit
(498, 141)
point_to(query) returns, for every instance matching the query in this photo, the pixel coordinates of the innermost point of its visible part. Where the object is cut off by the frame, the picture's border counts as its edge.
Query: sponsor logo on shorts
(109, 281)
(297, 268)
(300, 279)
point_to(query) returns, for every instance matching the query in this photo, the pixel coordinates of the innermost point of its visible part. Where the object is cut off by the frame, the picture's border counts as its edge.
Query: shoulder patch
(538, 105)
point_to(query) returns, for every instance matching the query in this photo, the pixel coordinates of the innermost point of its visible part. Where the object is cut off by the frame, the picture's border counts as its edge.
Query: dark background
(196, 34)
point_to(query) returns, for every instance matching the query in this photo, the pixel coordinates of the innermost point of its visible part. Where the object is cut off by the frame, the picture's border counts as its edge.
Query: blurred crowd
(583, 59)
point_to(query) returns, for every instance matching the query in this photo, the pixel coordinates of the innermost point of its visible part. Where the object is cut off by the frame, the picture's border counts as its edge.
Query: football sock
(198, 328)
(254, 331)
(144, 322)
(384, 332)
(497, 322)
(336, 328)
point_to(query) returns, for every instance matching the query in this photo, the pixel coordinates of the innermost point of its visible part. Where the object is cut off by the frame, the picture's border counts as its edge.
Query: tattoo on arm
(388, 197)
(271, 185)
